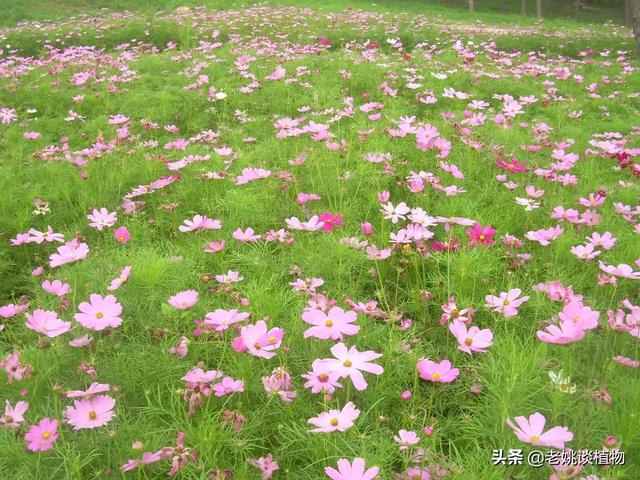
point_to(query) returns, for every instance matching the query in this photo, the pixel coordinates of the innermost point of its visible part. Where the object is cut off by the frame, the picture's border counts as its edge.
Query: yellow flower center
(454, 313)
(576, 319)
(506, 302)
(323, 377)
(257, 345)
(534, 438)
(435, 376)
(46, 435)
(482, 236)
(99, 315)
(93, 415)
(468, 341)
(328, 323)
(347, 363)
(334, 422)
(183, 304)
(272, 339)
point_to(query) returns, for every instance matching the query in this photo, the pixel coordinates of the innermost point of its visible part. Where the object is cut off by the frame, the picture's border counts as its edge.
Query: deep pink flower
(259, 341)
(122, 235)
(330, 221)
(472, 340)
(479, 235)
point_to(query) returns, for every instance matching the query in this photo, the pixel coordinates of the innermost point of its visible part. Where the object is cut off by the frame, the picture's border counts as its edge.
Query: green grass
(150, 407)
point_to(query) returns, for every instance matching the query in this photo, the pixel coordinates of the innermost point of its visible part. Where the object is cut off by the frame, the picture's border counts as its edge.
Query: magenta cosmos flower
(47, 323)
(530, 431)
(100, 312)
(321, 378)
(437, 372)
(42, 436)
(351, 471)
(350, 362)
(472, 340)
(479, 235)
(331, 221)
(340, 420)
(91, 412)
(184, 300)
(122, 235)
(333, 325)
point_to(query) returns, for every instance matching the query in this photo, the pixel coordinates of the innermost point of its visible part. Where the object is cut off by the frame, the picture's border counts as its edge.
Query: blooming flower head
(102, 218)
(184, 300)
(94, 389)
(322, 378)
(122, 235)
(259, 341)
(437, 372)
(267, 466)
(335, 420)
(507, 303)
(331, 221)
(47, 323)
(56, 287)
(351, 363)
(15, 369)
(71, 251)
(42, 435)
(479, 235)
(351, 470)
(13, 415)
(581, 315)
(406, 438)
(90, 412)
(220, 319)
(473, 339)
(531, 431)
(567, 332)
(334, 324)
(100, 312)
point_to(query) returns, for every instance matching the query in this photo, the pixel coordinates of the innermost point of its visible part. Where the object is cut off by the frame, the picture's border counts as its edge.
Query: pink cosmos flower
(278, 74)
(627, 362)
(122, 235)
(200, 222)
(71, 251)
(94, 389)
(13, 415)
(605, 240)
(267, 466)
(47, 323)
(42, 436)
(335, 420)
(472, 340)
(334, 324)
(215, 247)
(311, 225)
(585, 252)
(366, 228)
(259, 342)
(14, 368)
(184, 300)
(580, 315)
(118, 282)
(11, 310)
(229, 277)
(479, 235)
(451, 312)
(227, 386)
(545, 236)
(246, 235)
(351, 471)
(406, 438)
(322, 378)
(91, 412)
(507, 303)
(351, 363)
(622, 270)
(566, 333)
(330, 221)
(531, 431)
(437, 372)
(102, 218)
(251, 174)
(220, 320)
(81, 341)
(181, 349)
(100, 312)
(56, 287)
